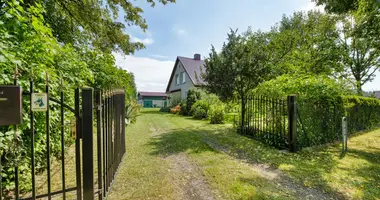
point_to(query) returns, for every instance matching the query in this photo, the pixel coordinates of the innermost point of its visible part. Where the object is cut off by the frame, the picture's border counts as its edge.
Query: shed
(153, 99)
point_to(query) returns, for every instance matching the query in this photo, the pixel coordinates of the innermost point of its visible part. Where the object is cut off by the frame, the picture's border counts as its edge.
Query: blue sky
(192, 26)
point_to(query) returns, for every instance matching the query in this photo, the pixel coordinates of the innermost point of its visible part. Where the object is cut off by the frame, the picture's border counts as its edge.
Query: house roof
(377, 94)
(153, 94)
(192, 68)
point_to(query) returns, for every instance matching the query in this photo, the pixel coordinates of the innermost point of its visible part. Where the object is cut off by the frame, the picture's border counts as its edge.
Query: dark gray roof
(193, 68)
(153, 94)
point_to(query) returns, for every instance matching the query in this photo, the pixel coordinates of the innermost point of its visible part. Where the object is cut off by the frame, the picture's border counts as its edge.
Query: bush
(362, 113)
(193, 95)
(306, 87)
(200, 109)
(165, 109)
(184, 110)
(176, 109)
(216, 113)
(131, 112)
(319, 105)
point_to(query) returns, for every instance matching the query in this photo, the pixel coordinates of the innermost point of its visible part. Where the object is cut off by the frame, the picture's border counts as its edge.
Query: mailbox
(10, 105)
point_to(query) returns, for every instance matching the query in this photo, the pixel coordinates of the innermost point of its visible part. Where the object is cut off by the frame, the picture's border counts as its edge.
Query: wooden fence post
(292, 123)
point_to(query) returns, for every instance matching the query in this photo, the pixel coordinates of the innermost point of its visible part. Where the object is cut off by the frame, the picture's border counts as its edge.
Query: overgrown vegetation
(322, 102)
(65, 44)
(319, 56)
(201, 105)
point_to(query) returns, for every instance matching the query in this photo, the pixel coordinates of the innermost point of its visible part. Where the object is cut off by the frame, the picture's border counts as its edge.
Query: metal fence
(110, 144)
(270, 120)
(320, 122)
(291, 124)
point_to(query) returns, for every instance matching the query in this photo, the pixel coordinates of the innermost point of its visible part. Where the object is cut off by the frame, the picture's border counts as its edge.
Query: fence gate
(271, 120)
(74, 128)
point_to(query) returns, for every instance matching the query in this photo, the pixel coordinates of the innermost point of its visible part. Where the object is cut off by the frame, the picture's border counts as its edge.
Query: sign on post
(10, 105)
(73, 124)
(39, 102)
(344, 135)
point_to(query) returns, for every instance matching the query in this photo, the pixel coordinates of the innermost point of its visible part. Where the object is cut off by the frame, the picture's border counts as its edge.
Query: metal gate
(110, 144)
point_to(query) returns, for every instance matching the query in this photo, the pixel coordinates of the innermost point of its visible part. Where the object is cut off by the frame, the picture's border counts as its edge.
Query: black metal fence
(110, 148)
(110, 115)
(320, 121)
(287, 124)
(270, 120)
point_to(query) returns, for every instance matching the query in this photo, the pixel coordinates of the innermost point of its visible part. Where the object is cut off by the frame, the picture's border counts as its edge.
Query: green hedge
(320, 121)
(363, 113)
(321, 104)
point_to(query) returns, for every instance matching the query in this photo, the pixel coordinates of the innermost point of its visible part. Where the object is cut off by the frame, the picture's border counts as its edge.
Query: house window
(183, 77)
(177, 79)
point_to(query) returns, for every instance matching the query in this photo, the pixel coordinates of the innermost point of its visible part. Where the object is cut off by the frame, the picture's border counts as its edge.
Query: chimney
(197, 56)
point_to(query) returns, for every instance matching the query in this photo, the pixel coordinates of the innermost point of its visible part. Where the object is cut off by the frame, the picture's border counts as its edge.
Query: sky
(192, 26)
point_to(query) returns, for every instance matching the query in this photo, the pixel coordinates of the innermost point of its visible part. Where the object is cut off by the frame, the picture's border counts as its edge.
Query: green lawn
(174, 157)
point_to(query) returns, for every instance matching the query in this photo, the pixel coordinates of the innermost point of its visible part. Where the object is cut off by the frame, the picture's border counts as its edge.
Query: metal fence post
(87, 141)
(99, 127)
(77, 144)
(292, 123)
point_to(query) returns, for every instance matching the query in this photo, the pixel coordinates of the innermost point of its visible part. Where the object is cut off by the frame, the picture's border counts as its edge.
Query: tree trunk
(242, 112)
(359, 87)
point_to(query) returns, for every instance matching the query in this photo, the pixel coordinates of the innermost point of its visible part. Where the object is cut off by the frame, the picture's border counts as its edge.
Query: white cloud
(150, 74)
(159, 56)
(179, 31)
(146, 41)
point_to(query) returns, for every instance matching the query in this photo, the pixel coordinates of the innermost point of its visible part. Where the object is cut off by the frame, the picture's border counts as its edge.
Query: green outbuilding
(153, 99)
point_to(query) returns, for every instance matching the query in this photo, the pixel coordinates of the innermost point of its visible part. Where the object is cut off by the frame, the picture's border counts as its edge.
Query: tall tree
(361, 57)
(94, 22)
(360, 39)
(239, 67)
(306, 43)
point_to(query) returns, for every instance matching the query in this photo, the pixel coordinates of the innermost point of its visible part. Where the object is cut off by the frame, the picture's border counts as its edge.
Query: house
(153, 99)
(376, 94)
(186, 74)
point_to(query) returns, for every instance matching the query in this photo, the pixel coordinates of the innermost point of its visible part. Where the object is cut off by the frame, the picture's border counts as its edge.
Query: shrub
(193, 95)
(216, 113)
(363, 113)
(306, 87)
(184, 110)
(200, 109)
(131, 112)
(165, 109)
(176, 109)
(319, 105)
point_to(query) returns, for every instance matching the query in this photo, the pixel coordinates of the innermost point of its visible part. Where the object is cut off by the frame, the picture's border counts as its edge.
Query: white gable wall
(183, 86)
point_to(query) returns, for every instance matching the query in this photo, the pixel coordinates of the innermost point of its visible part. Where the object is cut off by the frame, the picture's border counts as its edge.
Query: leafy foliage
(94, 23)
(165, 109)
(193, 95)
(217, 113)
(200, 109)
(239, 67)
(363, 113)
(30, 48)
(131, 112)
(304, 86)
(305, 43)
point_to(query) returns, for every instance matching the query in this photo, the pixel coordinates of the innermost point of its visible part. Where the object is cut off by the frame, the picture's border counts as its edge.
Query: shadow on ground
(312, 167)
(177, 141)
